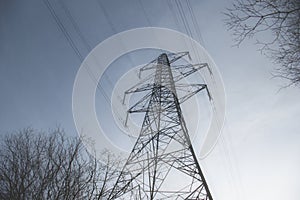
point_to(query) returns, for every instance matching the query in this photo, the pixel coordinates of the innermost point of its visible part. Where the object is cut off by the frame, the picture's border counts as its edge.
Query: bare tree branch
(250, 18)
(51, 166)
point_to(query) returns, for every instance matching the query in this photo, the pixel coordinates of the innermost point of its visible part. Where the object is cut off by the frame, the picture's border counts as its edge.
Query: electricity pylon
(162, 163)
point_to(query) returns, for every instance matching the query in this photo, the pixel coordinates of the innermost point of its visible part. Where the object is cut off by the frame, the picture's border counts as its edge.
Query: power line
(78, 31)
(144, 11)
(195, 22)
(106, 16)
(75, 25)
(73, 46)
(63, 29)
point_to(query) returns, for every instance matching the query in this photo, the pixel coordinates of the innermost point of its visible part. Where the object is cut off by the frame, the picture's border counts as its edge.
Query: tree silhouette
(249, 18)
(34, 165)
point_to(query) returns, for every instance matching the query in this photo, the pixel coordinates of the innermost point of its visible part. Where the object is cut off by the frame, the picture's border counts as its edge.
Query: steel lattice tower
(162, 163)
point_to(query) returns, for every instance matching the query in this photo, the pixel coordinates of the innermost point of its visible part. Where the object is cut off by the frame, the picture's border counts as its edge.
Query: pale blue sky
(257, 156)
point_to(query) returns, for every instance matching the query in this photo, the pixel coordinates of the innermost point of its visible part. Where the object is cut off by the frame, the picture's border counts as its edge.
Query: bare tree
(249, 18)
(52, 166)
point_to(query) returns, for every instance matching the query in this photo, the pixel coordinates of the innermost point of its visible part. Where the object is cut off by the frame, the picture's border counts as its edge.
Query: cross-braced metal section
(162, 163)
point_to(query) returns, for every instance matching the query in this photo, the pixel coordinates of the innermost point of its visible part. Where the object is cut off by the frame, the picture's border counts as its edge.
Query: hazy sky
(257, 156)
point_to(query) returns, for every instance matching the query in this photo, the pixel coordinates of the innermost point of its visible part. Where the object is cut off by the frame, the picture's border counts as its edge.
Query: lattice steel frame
(163, 146)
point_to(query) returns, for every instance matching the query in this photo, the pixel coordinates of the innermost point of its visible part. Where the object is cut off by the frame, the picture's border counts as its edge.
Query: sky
(43, 43)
